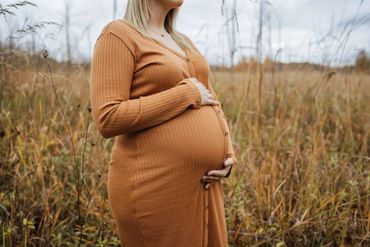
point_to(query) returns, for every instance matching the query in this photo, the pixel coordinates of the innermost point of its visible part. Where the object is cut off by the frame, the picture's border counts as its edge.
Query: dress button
(226, 133)
(188, 59)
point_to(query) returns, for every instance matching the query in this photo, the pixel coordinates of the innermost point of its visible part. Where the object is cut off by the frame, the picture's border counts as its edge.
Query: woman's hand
(207, 97)
(215, 175)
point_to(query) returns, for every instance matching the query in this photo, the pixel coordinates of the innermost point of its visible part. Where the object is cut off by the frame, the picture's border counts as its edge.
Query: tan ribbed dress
(165, 140)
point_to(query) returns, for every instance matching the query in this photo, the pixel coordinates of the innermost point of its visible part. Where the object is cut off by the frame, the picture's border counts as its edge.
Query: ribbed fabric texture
(165, 140)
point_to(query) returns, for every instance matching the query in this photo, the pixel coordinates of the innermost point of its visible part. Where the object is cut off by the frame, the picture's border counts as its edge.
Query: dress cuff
(194, 92)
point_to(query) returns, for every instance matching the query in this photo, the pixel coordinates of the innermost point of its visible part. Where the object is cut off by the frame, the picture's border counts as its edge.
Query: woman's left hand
(215, 175)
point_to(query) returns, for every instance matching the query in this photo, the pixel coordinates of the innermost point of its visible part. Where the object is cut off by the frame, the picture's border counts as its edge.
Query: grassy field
(302, 145)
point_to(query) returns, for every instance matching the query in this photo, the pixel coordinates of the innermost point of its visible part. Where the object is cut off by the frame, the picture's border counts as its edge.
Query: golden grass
(302, 177)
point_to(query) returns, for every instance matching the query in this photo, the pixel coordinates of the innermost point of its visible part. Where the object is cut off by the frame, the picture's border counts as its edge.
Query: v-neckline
(186, 56)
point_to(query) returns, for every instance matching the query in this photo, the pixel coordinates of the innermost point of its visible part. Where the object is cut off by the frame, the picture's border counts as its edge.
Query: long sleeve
(230, 152)
(112, 69)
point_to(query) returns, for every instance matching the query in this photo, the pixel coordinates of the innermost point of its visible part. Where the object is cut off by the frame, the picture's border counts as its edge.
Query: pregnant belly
(194, 137)
(157, 171)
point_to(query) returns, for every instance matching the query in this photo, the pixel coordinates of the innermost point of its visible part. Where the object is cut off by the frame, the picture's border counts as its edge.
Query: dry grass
(302, 178)
(304, 173)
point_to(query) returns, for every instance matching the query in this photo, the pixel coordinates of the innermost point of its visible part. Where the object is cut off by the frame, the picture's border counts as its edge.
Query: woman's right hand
(206, 95)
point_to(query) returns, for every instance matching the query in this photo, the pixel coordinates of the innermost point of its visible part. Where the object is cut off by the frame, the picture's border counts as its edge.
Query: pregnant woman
(150, 90)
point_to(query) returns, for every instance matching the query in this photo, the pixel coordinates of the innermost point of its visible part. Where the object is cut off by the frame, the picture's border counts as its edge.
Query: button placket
(205, 218)
(190, 66)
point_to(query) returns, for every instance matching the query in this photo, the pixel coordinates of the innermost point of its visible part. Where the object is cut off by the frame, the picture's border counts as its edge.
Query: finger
(211, 177)
(210, 96)
(228, 162)
(212, 102)
(207, 186)
(210, 180)
(219, 173)
(227, 170)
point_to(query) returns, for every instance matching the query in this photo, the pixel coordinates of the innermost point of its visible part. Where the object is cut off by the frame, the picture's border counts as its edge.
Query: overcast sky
(319, 31)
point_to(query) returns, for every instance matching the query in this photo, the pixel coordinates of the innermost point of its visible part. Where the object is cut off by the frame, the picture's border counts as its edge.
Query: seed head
(45, 53)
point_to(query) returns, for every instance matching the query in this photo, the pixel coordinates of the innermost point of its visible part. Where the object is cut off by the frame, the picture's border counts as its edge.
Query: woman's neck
(159, 13)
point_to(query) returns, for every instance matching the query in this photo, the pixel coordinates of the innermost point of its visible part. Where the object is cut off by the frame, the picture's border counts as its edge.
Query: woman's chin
(173, 3)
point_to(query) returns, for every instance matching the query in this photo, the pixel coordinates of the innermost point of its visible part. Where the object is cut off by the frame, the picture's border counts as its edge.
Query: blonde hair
(138, 14)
